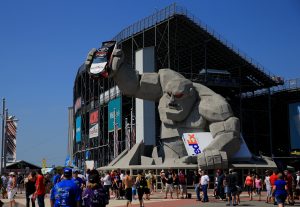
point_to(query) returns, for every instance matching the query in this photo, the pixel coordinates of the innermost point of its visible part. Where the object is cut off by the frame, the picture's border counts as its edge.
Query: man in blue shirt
(56, 177)
(78, 181)
(66, 193)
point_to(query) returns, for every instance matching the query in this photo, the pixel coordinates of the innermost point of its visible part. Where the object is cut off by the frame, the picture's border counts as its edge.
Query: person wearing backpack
(95, 195)
(66, 193)
(141, 185)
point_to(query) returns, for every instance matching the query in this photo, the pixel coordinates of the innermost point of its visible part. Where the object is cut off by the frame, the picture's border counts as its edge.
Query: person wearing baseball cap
(66, 192)
(12, 188)
(79, 182)
(95, 195)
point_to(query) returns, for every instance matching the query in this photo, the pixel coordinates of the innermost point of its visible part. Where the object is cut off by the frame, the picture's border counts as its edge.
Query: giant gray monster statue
(184, 107)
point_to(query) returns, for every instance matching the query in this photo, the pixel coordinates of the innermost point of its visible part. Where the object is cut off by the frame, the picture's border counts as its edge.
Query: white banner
(195, 143)
(94, 131)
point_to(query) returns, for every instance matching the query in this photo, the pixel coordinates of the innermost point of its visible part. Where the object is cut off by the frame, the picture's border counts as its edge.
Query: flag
(67, 161)
(116, 141)
(127, 136)
(133, 138)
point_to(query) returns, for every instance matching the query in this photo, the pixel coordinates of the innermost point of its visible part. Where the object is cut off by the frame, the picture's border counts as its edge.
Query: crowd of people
(69, 187)
(281, 187)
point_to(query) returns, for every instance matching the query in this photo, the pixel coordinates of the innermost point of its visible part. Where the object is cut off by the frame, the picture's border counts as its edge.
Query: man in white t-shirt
(268, 187)
(204, 181)
(107, 184)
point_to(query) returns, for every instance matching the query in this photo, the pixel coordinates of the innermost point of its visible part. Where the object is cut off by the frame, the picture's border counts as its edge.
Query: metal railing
(288, 85)
(172, 10)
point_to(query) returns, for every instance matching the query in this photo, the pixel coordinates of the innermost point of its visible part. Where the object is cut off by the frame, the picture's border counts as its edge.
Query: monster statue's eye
(178, 95)
(170, 94)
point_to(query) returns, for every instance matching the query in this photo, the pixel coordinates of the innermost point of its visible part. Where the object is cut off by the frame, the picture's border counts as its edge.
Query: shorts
(232, 191)
(182, 188)
(280, 199)
(258, 191)
(169, 187)
(249, 188)
(134, 192)
(115, 186)
(290, 191)
(269, 192)
(226, 189)
(11, 194)
(147, 191)
(141, 193)
(128, 194)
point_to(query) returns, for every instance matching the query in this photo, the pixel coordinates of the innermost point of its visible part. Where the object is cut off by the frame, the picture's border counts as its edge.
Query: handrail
(288, 85)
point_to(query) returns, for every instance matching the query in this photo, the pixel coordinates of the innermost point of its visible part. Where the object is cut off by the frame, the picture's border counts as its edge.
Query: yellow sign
(296, 152)
(44, 164)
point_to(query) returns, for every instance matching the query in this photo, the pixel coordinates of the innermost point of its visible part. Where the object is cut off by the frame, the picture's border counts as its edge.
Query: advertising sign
(89, 164)
(77, 104)
(114, 113)
(94, 125)
(294, 119)
(78, 129)
(195, 143)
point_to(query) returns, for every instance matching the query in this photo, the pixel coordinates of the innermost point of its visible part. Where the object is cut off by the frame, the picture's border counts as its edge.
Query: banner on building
(195, 143)
(77, 105)
(94, 125)
(11, 137)
(89, 164)
(78, 129)
(114, 114)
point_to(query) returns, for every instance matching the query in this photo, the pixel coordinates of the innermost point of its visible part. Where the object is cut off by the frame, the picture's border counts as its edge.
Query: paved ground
(158, 201)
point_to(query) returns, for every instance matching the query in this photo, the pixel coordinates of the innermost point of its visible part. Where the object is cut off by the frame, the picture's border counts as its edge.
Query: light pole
(3, 134)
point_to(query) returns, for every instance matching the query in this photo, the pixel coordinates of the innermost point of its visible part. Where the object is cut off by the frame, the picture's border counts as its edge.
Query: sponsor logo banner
(78, 129)
(94, 126)
(77, 105)
(114, 114)
(195, 142)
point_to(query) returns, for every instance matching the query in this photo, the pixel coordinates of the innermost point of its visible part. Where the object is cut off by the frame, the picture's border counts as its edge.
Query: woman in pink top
(258, 186)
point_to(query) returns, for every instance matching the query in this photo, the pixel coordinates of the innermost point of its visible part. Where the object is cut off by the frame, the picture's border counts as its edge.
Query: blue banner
(114, 110)
(78, 129)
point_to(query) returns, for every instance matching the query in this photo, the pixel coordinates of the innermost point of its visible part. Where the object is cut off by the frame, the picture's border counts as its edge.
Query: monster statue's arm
(144, 86)
(131, 83)
(225, 129)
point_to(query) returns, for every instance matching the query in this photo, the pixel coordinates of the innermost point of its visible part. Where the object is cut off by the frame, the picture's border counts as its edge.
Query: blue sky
(42, 43)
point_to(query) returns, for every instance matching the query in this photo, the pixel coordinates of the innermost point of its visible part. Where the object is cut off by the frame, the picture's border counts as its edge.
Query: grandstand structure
(185, 44)
(266, 113)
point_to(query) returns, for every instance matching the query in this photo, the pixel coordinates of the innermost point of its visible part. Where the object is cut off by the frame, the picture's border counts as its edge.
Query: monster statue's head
(177, 101)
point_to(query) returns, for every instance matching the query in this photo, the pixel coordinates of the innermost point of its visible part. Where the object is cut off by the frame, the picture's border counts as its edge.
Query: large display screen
(294, 117)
